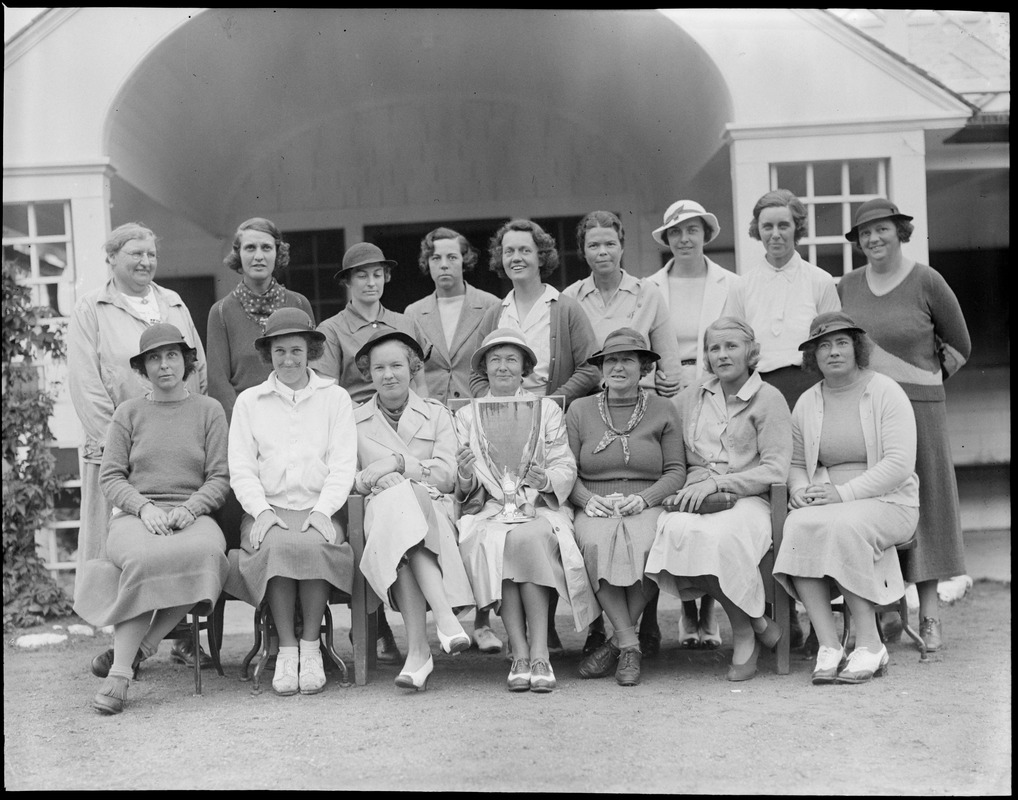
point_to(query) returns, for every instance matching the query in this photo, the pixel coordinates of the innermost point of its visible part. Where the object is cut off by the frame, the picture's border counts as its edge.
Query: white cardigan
(889, 430)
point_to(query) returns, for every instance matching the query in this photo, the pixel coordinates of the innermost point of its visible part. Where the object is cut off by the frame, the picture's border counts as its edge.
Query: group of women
(654, 476)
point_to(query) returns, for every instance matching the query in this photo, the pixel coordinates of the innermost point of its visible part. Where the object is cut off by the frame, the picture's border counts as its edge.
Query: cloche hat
(385, 334)
(361, 255)
(494, 339)
(623, 340)
(680, 211)
(829, 322)
(286, 321)
(159, 335)
(878, 208)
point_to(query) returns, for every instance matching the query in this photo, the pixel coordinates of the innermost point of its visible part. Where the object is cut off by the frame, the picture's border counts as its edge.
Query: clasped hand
(816, 494)
(689, 498)
(164, 523)
(599, 506)
(381, 474)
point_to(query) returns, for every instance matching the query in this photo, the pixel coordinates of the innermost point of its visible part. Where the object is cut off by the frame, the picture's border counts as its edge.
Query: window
(831, 192)
(315, 257)
(37, 237)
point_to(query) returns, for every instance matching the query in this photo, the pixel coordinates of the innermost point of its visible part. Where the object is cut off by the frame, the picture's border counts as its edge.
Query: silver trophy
(507, 431)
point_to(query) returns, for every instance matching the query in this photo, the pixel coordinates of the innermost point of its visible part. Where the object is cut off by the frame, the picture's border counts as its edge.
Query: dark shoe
(601, 662)
(386, 650)
(746, 670)
(650, 641)
(103, 663)
(929, 632)
(796, 638)
(112, 696)
(183, 653)
(595, 639)
(890, 627)
(555, 647)
(628, 671)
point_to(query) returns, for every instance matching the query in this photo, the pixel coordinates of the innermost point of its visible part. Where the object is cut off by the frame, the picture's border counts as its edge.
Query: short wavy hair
(733, 324)
(316, 347)
(903, 227)
(547, 253)
(862, 346)
(413, 360)
(598, 219)
(780, 198)
(190, 361)
(262, 225)
(467, 250)
(122, 234)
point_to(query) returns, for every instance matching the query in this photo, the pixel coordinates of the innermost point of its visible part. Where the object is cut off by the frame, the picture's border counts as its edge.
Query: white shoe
(487, 641)
(284, 679)
(864, 664)
(312, 672)
(829, 661)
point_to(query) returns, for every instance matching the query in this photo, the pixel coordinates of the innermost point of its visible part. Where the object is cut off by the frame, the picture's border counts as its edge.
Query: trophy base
(513, 517)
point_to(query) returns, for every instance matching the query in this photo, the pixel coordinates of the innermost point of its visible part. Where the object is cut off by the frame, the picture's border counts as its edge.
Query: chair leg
(330, 648)
(912, 634)
(266, 627)
(214, 633)
(219, 611)
(196, 640)
(245, 665)
(847, 631)
(783, 610)
(360, 631)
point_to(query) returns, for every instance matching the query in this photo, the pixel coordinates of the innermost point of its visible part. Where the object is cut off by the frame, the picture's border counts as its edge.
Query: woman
(164, 552)
(515, 568)
(451, 319)
(554, 327)
(628, 446)
(104, 330)
(854, 495)
(292, 461)
(695, 290)
(737, 435)
(238, 319)
(921, 339)
(406, 448)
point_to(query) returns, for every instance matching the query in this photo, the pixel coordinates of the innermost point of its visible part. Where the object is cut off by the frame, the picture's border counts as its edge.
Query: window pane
(827, 178)
(793, 178)
(862, 177)
(829, 258)
(49, 219)
(858, 259)
(19, 254)
(828, 219)
(15, 219)
(52, 260)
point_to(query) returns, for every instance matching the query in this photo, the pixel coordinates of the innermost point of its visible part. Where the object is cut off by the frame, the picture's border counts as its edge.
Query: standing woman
(293, 454)
(164, 472)
(738, 438)
(406, 448)
(103, 334)
(628, 444)
(921, 338)
(516, 569)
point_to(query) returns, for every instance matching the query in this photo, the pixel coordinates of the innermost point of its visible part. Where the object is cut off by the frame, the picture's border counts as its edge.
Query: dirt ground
(937, 728)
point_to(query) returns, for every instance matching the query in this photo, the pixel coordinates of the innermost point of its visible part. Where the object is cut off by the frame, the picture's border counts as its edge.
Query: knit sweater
(655, 449)
(169, 453)
(905, 324)
(234, 364)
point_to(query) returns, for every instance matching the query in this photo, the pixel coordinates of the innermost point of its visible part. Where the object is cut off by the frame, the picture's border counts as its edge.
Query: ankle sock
(289, 651)
(306, 648)
(121, 673)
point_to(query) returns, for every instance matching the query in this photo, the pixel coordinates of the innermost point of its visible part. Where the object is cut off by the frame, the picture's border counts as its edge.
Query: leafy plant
(29, 483)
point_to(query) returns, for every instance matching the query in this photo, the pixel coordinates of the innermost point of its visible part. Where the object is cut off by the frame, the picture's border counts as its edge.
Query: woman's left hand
(155, 519)
(821, 494)
(371, 474)
(690, 497)
(180, 517)
(537, 478)
(665, 386)
(633, 504)
(387, 481)
(322, 524)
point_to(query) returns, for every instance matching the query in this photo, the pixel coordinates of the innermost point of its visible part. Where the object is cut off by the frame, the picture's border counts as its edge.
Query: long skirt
(402, 518)
(95, 579)
(852, 543)
(615, 549)
(542, 552)
(939, 551)
(728, 545)
(154, 571)
(288, 553)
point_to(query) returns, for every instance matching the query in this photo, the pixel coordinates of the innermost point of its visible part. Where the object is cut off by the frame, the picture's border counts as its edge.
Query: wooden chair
(363, 625)
(774, 592)
(203, 618)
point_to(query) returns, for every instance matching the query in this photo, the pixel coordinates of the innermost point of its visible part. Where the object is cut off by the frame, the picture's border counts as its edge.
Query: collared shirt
(708, 430)
(536, 329)
(780, 304)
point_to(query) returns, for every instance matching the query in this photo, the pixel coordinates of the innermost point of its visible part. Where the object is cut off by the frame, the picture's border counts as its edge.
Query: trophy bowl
(507, 431)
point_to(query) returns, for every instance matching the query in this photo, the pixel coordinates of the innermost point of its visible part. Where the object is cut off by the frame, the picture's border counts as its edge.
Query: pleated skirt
(615, 549)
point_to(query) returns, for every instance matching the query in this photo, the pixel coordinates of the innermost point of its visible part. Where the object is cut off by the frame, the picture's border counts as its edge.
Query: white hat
(680, 211)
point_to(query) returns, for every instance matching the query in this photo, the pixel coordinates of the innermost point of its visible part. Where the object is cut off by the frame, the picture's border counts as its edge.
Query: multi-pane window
(37, 237)
(315, 257)
(831, 192)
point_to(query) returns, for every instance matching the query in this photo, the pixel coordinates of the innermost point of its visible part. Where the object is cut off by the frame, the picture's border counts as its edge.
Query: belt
(688, 362)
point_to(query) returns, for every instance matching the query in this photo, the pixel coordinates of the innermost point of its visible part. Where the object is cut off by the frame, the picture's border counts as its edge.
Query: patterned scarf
(259, 306)
(613, 433)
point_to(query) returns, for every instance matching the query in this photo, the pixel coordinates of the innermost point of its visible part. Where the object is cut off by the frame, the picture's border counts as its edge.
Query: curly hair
(316, 348)
(232, 260)
(122, 234)
(413, 360)
(902, 226)
(733, 324)
(598, 219)
(190, 361)
(780, 198)
(547, 253)
(428, 249)
(862, 346)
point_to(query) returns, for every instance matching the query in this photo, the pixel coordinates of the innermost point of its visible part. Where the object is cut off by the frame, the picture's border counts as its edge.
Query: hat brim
(658, 234)
(481, 352)
(406, 338)
(315, 336)
(598, 357)
(384, 262)
(853, 235)
(820, 336)
(137, 363)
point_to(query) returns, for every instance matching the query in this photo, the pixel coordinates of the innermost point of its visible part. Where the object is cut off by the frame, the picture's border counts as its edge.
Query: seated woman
(516, 567)
(854, 495)
(737, 433)
(163, 472)
(406, 448)
(292, 461)
(628, 447)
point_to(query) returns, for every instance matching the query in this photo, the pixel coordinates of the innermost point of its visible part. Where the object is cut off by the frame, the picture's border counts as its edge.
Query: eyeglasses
(139, 255)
